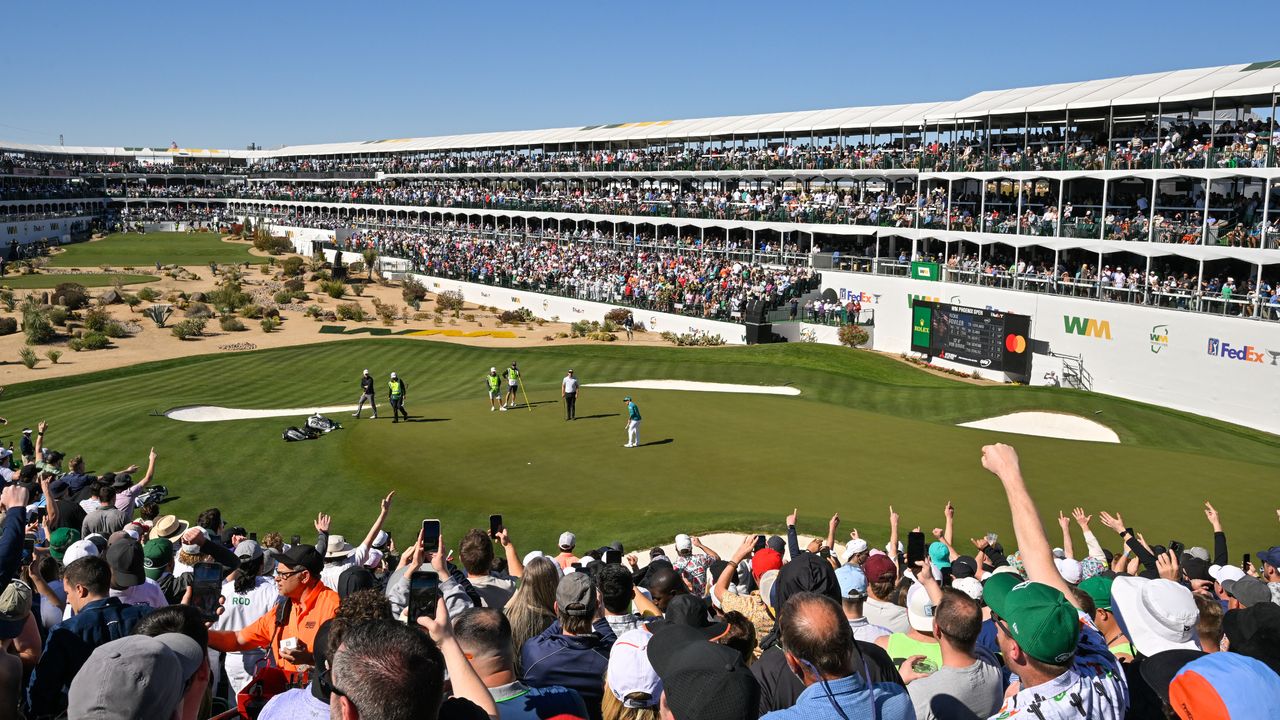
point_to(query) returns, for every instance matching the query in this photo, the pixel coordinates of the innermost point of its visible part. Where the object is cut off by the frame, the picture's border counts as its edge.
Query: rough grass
(35, 282)
(866, 432)
(145, 250)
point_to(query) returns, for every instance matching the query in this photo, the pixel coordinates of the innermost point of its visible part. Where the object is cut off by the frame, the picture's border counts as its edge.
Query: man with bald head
(820, 650)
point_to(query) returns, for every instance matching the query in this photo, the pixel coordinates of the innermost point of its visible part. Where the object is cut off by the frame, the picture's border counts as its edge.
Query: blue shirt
(517, 701)
(577, 662)
(851, 694)
(633, 412)
(71, 643)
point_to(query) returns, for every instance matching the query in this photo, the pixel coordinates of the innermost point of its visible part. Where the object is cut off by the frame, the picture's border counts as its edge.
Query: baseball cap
(853, 582)
(156, 554)
(631, 676)
(381, 540)
(1196, 552)
(1255, 632)
(1195, 568)
(393, 374)
(250, 550)
(1156, 615)
(1098, 588)
(1225, 685)
(135, 676)
(854, 547)
(970, 586)
(493, 369)
(877, 567)
(15, 606)
(1159, 669)
(1037, 616)
(768, 581)
(683, 542)
(965, 566)
(576, 595)
(302, 557)
(1223, 573)
(567, 540)
(79, 549)
(169, 526)
(1069, 570)
(691, 611)
(920, 609)
(701, 679)
(60, 540)
(1270, 556)
(126, 561)
(777, 544)
(193, 548)
(940, 554)
(1248, 590)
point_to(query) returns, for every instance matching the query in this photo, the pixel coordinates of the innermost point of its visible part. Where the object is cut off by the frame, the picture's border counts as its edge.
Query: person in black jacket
(366, 393)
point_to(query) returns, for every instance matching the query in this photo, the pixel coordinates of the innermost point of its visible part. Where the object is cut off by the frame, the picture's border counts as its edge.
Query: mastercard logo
(1015, 343)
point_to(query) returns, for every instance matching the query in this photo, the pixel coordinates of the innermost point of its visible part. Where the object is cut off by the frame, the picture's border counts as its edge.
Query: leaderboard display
(978, 337)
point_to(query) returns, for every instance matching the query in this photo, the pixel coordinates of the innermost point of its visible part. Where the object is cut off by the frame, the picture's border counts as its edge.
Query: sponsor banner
(924, 271)
(1087, 326)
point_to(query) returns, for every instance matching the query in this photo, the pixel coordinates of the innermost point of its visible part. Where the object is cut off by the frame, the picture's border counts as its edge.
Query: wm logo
(1086, 326)
(911, 299)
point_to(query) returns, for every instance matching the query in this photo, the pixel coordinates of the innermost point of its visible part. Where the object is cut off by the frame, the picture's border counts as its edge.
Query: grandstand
(1132, 208)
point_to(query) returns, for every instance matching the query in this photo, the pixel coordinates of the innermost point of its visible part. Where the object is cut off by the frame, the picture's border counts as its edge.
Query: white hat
(366, 371)
(767, 581)
(586, 560)
(381, 539)
(919, 609)
(854, 547)
(970, 586)
(683, 543)
(192, 548)
(1157, 615)
(1198, 552)
(79, 549)
(338, 548)
(567, 540)
(1059, 553)
(531, 555)
(631, 672)
(493, 369)
(374, 559)
(1223, 573)
(1069, 570)
(393, 374)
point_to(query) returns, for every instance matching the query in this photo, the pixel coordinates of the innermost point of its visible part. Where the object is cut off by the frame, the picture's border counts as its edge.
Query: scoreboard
(978, 337)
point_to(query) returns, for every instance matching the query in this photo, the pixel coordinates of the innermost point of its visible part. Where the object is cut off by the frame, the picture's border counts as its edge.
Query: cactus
(159, 314)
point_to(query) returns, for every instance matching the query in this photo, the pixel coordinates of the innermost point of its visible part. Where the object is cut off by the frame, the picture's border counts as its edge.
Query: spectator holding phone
(476, 554)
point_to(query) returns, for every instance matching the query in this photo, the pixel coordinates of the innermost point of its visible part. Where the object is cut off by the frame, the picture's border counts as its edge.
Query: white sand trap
(1044, 424)
(700, 387)
(213, 413)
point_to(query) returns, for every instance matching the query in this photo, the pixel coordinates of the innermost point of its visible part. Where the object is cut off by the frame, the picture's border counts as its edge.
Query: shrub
(95, 319)
(28, 356)
(449, 300)
(604, 336)
(149, 294)
(8, 325)
(386, 313)
(270, 324)
(132, 301)
(199, 310)
(272, 245)
(313, 311)
(295, 285)
(36, 325)
(189, 328)
(693, 339)
(333, 288)
(53, 355)
(253, 312)
(852, 335)
(228, 296)
(58, 315)
(350, 311)
(72, 295)
(523, 315)
(113, 329)
(617, 315)
(609, 325)
(413, 291)
(89, 341)
(230, 323)
(357, 289)
(292, 265)
(159, 314)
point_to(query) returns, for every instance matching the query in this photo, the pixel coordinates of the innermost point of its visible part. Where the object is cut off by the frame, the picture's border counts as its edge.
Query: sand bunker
(700, 387)
(213, 413)
(1052, 425)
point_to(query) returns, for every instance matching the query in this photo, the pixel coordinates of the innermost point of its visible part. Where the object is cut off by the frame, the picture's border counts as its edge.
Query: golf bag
(157, 494)
(294, 434)
(321, 424)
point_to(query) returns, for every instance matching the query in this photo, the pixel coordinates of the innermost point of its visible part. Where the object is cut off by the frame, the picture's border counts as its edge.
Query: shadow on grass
(665, 441)
(420, 420)
(597, 417)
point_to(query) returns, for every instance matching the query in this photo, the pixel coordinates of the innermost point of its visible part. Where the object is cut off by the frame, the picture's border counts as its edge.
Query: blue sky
(230, 73)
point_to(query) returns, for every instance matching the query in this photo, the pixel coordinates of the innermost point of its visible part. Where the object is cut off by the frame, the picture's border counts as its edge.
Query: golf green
(145, 250)
(34, 282)
(866, 432)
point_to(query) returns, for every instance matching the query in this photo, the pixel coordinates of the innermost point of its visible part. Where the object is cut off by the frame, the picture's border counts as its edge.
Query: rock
(44, 298)
(272, 313)
(197, 297)
(110, 297)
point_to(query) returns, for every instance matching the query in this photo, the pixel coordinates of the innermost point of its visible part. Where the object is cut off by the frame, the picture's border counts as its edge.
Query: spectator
(1270, 559)
(1245, 592)
(247, 595)
(105, 518)
(15, 615)
(484, 634)
(693, 568)
(157, 562)
(821, 651)
(340, 554)
(1158, 616)
(1255, 632)
(531, 609)
(633, 689)
(568, 541)
(309, 604)
(616, 594)
(853, 594)
(964, 686)
(1098, 589)
(1062, 662)
(98, 620)
(476, 553)
(701, 680)
(882, 578)
(129, 581)
(920, 640)
(752, 605)
(574, 651)
(185, 620)
(135, 677)
(1209, 628)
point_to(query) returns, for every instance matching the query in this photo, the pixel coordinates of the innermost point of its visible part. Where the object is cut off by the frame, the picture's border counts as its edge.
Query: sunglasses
(326, 684)
(280, 575)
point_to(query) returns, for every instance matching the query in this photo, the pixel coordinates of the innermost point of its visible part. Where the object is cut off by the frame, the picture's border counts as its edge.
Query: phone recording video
(430, 534)
(424, 595)
(495, 525)
(206, 589)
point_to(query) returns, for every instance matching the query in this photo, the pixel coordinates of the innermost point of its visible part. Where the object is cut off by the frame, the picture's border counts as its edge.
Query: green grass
(145, 250)
(866, 432)
(34, 282)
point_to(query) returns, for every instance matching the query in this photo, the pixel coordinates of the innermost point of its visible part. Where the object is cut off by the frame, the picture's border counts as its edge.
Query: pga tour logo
(1247, 353)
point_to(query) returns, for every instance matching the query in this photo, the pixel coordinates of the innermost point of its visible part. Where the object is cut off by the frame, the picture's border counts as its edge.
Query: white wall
(29, 231)
(1174, 370)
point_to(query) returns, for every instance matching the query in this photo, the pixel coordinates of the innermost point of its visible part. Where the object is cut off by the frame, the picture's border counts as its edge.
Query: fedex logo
(847, 295)
(1248, 353)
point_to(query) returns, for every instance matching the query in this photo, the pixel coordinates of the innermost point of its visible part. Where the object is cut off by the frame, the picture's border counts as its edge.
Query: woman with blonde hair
(532, 608)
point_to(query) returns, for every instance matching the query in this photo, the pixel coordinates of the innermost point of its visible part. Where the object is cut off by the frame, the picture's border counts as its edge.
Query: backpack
(157, 494)
(293, 434)
(321, 424)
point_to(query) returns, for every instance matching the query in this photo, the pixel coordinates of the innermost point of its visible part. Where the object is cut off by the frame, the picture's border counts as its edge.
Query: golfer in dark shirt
(366, 393)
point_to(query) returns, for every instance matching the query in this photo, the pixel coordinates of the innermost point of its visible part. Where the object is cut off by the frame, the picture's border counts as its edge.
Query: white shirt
(148, 593)
(330, 574)
(240, 610)
(570, 384)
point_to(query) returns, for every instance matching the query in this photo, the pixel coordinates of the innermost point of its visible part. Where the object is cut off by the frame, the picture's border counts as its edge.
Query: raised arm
(1140, 552)
(515, 568)
(1090, 540)
(742, 552)
(832, 525)
(466, 683)
(793, 541)
(1220, 555)
(322, 533)
(40, 428)
(892, 547)
(1037, 556)
(1068, 547)
(151, 470)
(382, 518)
(697, 542)
(948, 530)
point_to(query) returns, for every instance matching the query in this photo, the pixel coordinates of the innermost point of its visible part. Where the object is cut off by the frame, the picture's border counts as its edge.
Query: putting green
(145, 250)
(33, 282)
(866, 432)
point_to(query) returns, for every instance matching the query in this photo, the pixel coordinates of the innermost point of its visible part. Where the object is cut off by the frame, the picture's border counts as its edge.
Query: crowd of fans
(103, 615)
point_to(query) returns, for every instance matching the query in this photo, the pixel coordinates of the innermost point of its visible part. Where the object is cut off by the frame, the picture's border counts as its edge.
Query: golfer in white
(633, 423)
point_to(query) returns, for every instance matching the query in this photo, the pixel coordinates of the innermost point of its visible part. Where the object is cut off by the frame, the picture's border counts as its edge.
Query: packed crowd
(705, 284)
(112, 609)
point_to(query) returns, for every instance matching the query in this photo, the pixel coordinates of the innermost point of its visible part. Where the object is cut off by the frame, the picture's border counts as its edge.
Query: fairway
(33, 282)
(866, 431)
(166, 248)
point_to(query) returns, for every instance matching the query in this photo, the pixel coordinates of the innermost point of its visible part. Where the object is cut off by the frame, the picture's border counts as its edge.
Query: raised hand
(893, 517)
(834, 522)
(937, 533)
(1081, 519)
(1000, 460)
(1211, 514)
(1115, 522)
(791, 519)
(386, 501)
(1167, 566)
(949, 512)
(1064, 522)
(322, 523)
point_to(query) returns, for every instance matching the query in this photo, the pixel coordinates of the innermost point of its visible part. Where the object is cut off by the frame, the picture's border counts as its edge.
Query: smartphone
(253, 537)
(1244, 564)
(1176, 548)
(206, 589)
(42, 512)
(760, 543)
(424, 595)
(613, 557)
(495, 525)
(430, 534)
(295, 540)
(28, 549)
(576, 566)
(915, 547)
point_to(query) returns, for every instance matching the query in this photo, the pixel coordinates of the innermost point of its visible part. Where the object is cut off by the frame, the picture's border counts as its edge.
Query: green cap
(60, 540)
(1099, 588)
(1039, 618)
(156, 554)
